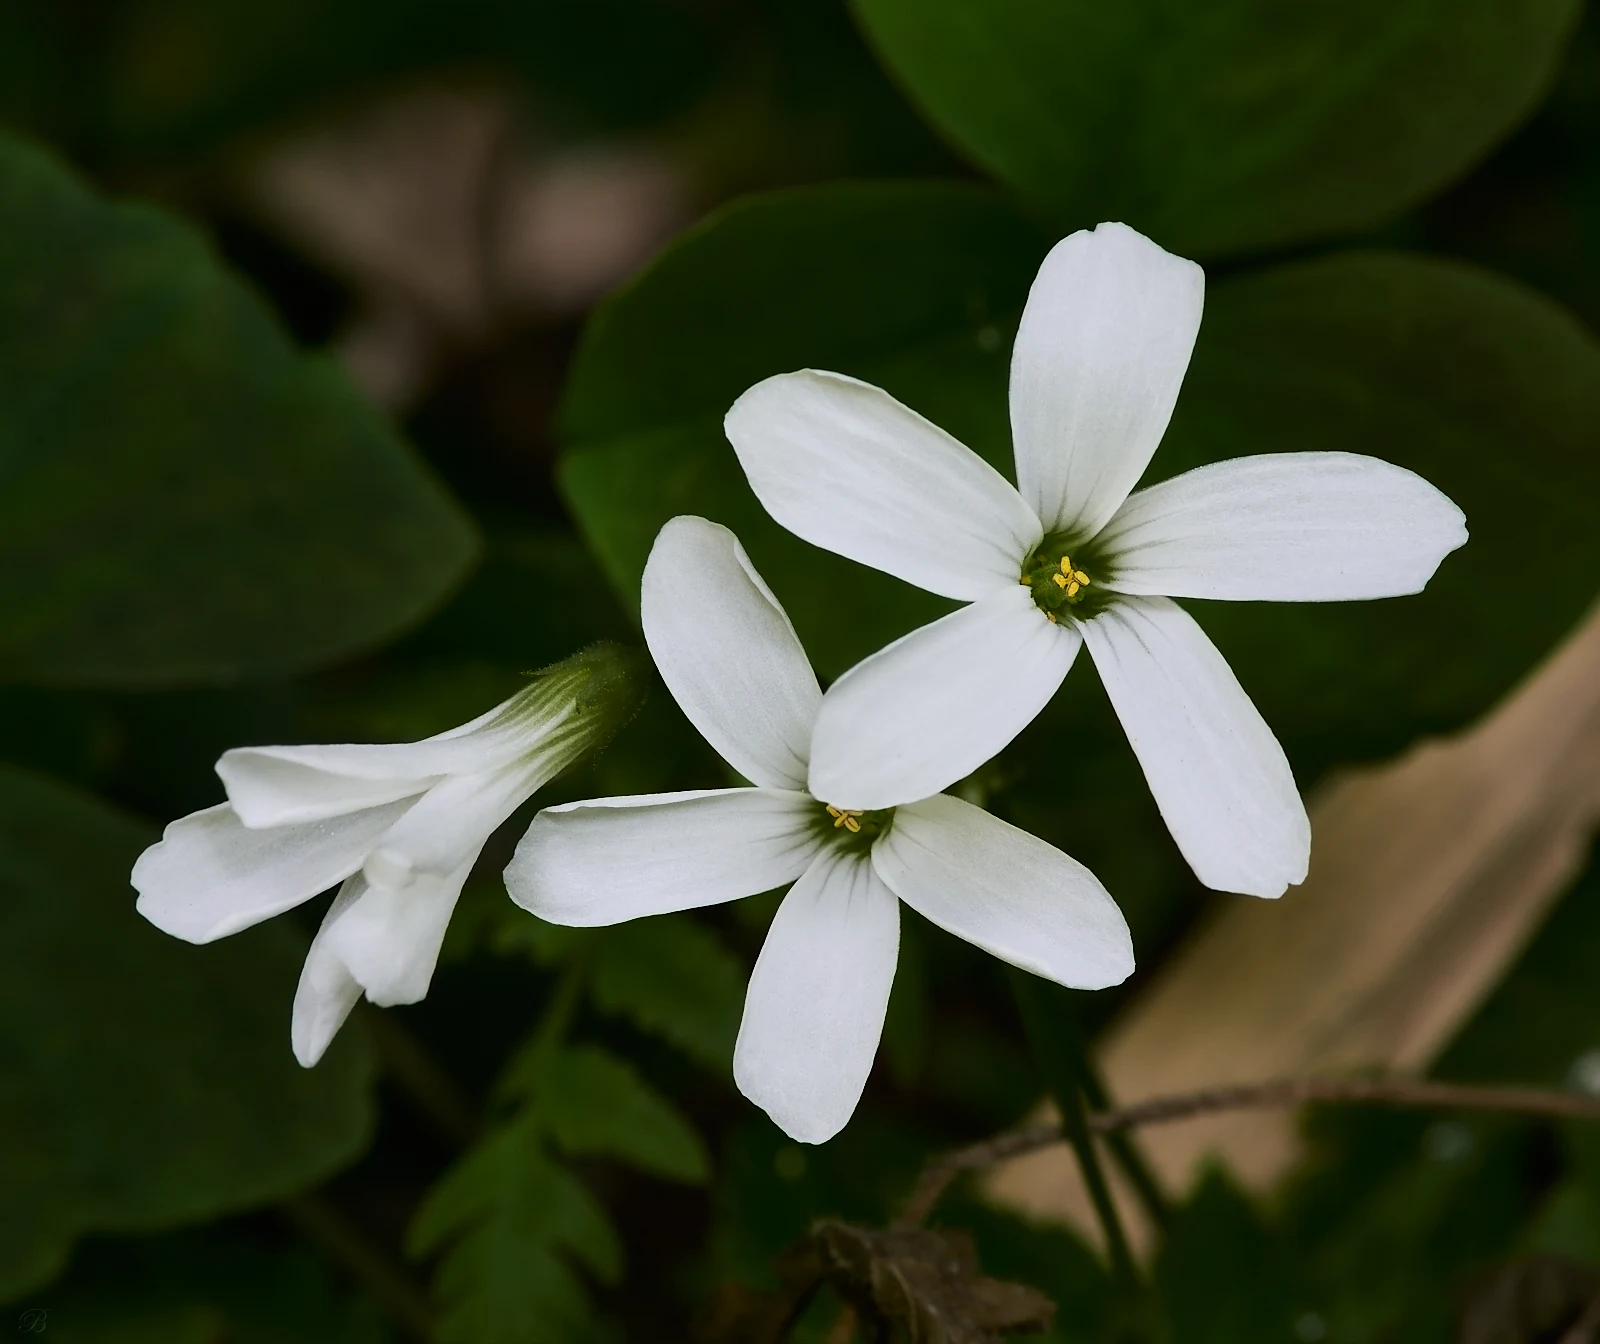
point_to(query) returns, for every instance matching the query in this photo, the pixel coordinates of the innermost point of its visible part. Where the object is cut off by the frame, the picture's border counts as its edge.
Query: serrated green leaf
(187, 497)
(145, 1082)
(1231, 125)
(592, 1103)
(506, 1219)
(673, 977)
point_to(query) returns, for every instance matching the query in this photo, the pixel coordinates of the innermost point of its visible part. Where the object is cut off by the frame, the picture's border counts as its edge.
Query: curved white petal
(1005, 891)
(844, 465)
(446, 828)
(611, 859)
(211, 876)
(1217, 772)
(388, 938)
(1101, 353)
(275, 786)
(814, 1010)
(727, 652)
(327, 991)
(1284, 527)
(936, 704)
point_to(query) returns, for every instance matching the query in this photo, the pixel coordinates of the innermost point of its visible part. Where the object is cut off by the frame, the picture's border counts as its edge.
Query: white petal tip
(793, 1119)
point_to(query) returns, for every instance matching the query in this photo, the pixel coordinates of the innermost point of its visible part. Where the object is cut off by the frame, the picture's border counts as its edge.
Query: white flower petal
(388, 938)
(727, 652)
(814, 1010)
(939, 702)
(612, 859)
(446, 828)
(1217, 772)
(1101, 353)
(211, 876)
(1284, 527)
(274, 786)
(845, 466)
(1005, 891)
(327, 991)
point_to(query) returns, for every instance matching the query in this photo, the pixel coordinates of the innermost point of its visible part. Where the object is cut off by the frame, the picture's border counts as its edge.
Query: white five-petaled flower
(814, 1009)
(399, 825)
(1072, 557)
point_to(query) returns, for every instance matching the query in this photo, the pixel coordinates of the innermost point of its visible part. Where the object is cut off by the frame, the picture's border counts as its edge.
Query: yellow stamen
(1051, 617)
(845, 818)
(1060, 580)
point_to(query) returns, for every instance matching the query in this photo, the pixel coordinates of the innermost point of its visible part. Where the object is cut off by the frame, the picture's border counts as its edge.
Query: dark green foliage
(178, 1289)
(1229, 126)
(146, 1082)
(508, 1218)
(208, 539)
(186, 497)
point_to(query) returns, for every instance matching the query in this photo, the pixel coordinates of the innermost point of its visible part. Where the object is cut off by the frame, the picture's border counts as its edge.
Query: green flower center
(1062, 574)
(852, 828)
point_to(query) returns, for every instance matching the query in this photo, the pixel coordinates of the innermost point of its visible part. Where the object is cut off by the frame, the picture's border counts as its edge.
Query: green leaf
(198, 1288)
(673, 977)
(1226, 126)
(507, 1218)
(1479, 385)
(186, 498)
(915, 286)
(591, 1102)
(1222, 1277)
(145, 1082)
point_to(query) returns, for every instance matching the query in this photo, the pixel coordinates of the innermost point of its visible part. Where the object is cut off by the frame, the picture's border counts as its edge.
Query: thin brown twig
(1548, 1103)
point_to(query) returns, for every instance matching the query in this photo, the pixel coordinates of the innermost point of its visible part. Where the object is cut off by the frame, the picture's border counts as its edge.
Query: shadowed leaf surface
(145, 1082)
(1227, 126)
(186, 497)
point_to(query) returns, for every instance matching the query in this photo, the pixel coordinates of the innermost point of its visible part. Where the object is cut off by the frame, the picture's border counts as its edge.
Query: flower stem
(1055, 1042)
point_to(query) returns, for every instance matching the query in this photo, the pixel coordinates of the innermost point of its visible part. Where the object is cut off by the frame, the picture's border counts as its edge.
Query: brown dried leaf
(927, 1283)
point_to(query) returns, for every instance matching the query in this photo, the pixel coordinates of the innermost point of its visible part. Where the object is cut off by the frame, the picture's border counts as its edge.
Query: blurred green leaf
(1227, 126)
(187, 498)
(196, 1288)
(674, 978)
(507, 1218)
(1479, 385)
(182, 75)
(144, 1082)
(1221, 1274)
(907, 284)
(593, 1103)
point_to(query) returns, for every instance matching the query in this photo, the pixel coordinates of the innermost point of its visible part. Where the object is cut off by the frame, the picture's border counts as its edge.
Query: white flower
(1071, 557)
(814, 1009)
(400, 825)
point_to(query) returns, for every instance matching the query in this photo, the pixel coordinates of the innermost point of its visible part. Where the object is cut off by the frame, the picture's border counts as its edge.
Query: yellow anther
(1051, 617)
(1072, 589)
(845, 818)
(1060, 580)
